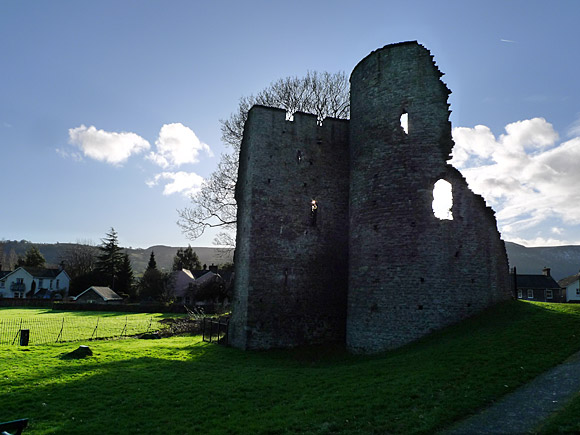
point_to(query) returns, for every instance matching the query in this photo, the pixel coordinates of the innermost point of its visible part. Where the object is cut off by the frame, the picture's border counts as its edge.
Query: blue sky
(109, 110)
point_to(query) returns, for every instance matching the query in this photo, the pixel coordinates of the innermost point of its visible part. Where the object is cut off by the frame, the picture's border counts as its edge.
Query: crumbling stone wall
(291, 267)
(409, 273)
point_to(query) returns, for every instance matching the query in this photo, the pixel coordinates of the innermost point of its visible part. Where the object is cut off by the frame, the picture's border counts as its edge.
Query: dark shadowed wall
(375, 268)
(291, 267)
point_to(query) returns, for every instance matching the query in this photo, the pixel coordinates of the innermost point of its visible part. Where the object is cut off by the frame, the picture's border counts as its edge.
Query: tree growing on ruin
(323, 94)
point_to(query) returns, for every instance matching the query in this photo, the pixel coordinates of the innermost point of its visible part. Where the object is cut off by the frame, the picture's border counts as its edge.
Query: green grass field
(565, 421)
(48, 326)
(184, 386)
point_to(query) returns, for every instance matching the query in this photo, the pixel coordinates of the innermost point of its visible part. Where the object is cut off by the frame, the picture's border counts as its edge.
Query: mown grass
(48, 313)
(184, 386)
(49, 326)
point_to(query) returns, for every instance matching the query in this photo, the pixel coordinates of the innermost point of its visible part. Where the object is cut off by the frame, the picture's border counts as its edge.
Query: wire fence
(42, 331)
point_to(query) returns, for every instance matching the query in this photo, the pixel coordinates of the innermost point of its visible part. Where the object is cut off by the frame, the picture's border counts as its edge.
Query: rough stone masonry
(336, 237)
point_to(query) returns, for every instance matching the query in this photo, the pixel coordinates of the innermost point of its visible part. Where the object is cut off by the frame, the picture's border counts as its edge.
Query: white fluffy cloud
(177, 145)
(105, 146)
(526, 176)
(186, 183)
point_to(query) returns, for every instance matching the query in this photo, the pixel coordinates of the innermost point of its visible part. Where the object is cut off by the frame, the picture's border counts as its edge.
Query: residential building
(540, 288)
(99, 295)
(571, 286)
(31, 282)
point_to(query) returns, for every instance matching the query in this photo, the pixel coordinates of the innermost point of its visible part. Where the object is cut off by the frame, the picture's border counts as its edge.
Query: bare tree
(80, 258)
(8, 257)
(323, 94)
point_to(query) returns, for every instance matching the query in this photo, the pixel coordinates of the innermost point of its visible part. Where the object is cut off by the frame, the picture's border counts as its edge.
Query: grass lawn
(46, 325)
(181, 385)
(48, 313)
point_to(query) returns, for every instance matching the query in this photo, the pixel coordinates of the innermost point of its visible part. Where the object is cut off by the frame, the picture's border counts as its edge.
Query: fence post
(18, 333)
(124, 328)
(61, 329)
(95, 331)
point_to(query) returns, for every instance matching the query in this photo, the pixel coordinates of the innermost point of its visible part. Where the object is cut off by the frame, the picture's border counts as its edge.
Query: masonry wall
(291, 273)
(411, 273)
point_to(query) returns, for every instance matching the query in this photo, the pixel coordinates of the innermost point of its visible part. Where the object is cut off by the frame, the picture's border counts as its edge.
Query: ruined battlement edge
(336, 238)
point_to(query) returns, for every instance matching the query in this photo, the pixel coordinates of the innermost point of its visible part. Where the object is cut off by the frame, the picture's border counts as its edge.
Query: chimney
(546, 271)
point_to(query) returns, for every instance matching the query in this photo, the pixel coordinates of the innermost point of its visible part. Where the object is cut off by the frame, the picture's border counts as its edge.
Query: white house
(31, 282)
(571, 285)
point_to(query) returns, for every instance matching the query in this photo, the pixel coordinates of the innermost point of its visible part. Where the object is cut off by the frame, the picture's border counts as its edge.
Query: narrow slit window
(405, 122)
(313, 212)
(298, 156)
(442, 200)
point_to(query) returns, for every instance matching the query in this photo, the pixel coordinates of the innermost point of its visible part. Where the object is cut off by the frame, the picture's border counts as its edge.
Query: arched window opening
(405, 122)
(442, 200)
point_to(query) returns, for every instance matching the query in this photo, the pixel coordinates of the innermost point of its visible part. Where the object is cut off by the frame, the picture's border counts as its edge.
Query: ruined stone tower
(336, 238)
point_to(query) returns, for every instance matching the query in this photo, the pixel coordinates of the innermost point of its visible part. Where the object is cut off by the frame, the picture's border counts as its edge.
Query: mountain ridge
(562, 260)
(54, 253)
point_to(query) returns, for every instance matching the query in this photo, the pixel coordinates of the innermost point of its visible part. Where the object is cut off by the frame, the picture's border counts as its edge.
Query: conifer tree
(186, 259)
(152, 263)
(125, 277)
(152, 285)
(110, 259)
(32, 258)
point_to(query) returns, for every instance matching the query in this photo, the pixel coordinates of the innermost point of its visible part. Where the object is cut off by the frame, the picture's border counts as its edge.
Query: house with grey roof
(540, 288)
(32, 282)
(571, 286)
(99, 295)
(182, 282)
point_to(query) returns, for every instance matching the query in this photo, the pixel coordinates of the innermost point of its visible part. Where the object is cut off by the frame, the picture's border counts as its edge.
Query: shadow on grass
(182, 387)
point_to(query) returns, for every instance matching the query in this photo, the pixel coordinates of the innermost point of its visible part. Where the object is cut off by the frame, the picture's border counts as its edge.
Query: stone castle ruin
(337, 240)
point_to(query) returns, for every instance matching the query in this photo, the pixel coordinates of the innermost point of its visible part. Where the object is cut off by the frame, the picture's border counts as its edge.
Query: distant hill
(164, 256)
(563, 260)
(54, 252)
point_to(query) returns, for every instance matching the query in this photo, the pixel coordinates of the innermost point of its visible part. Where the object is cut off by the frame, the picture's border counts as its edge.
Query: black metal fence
(215, 330)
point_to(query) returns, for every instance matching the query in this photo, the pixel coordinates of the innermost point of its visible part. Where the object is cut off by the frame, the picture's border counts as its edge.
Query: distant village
(201, 285)
(89, 276)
